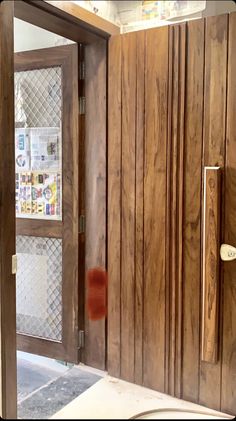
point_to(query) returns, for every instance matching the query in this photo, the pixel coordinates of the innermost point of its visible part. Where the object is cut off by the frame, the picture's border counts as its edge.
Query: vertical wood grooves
(168, 205)
(180, 208)
(176, 105)
(178, 126)
(191, 276)
(128, 205)
(156, 79)
(140, 120)
(114, 205)
(201, 216)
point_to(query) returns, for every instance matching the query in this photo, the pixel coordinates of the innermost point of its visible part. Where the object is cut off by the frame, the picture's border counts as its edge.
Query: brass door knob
(227, 252)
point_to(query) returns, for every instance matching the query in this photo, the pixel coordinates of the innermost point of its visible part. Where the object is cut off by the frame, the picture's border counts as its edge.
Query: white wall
(30, 37)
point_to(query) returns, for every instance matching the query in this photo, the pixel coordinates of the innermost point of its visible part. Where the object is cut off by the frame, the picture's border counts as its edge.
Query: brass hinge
(82, 70)
(81, 339)
(14, 265)
(82, 105)
(81, 224)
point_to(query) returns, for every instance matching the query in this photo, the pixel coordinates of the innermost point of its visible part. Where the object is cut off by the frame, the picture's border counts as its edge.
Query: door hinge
(82, 70)
(81, 224)
(14, 264)
(82, 105)
(81, 339)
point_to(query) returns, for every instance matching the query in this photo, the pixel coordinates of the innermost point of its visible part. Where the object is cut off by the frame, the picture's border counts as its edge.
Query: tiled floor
(46, 386)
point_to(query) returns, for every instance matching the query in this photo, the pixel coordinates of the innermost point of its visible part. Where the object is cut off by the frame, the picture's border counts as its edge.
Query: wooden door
(228, 398)
(171, 188)
(7, 217)
(47, 168)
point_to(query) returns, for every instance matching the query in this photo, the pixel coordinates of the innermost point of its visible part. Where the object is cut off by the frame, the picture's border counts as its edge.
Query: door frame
(64, 21)
(8, 394)
(67, 58)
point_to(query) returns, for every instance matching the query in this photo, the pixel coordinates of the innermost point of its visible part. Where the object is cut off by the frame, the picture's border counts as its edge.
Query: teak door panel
(229, 289)
(183, 110)
(65, 57)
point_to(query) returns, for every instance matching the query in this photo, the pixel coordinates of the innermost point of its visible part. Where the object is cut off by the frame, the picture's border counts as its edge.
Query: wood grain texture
(213, 155)
(168, 369)
(176, 110)
(40, 346)
(81, 210)
(229, 292)
(84, 17)
(67, 58)
(45, 17)
(180, 214)
(114, 204)
(35, 228)
(191, 275)
(173, 108)
(156, 79)
(95, 187)
(128, 82)
(210, 265)
(139, 159)
(8, 391)
(70, 205)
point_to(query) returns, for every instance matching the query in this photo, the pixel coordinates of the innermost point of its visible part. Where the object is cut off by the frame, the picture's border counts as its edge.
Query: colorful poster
(38, 173)
(22, 150)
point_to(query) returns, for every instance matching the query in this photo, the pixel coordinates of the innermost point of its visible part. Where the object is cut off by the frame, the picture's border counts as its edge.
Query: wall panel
(229, 297)
(214, 130)
(192, 209)
(155, 171)
(128, 130)
(167, 121)
(95, 188)
(114, 205)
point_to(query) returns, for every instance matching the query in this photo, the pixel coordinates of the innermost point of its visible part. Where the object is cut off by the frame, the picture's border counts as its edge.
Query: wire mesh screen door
(46, 169)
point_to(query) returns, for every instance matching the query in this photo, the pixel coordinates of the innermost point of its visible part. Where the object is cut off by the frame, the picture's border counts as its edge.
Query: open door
(46, 169)
(8, 401)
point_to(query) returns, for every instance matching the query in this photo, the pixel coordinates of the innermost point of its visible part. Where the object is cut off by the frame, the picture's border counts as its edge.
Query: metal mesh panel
(39, 287)
(38, 96)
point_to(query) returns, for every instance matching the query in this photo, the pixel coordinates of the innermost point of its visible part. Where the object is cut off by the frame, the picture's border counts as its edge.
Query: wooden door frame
(67, 58)
(68, 25)
(65, 20)
(8, 397)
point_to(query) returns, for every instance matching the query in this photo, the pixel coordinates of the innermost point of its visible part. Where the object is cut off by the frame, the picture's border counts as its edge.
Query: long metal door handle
(227, 252)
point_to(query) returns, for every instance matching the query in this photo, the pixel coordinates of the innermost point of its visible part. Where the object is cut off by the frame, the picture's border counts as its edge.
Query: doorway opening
(48, 180)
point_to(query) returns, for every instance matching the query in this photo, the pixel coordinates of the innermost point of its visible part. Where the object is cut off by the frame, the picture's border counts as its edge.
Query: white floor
(111, 398)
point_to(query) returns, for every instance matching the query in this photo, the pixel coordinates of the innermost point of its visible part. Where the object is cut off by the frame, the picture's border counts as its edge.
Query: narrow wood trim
(8, 391)
(35, 14)
(70, 201)
(211, 258)
(40, 346)
(95, 188)
(39, 228)
(114, 205)
(139, 184)
(86, 18)
(67, 229)
(43, 58)
(66, 19)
